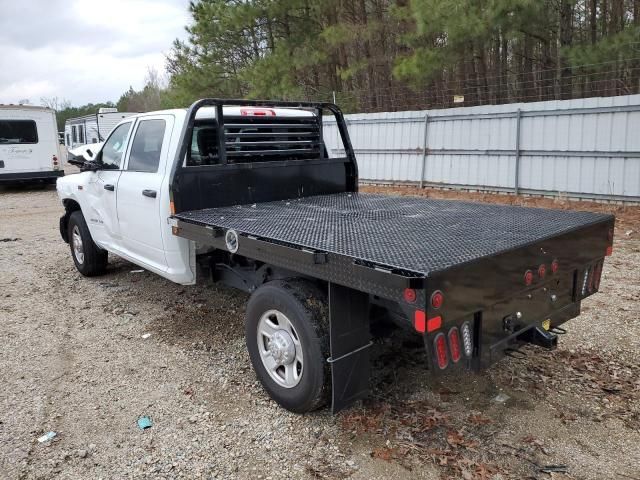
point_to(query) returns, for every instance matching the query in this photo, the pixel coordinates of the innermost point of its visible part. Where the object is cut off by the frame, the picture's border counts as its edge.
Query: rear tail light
(609, 251)
(454, 344)
(542, 271)
(555, 266)
(440, 343)
(54, 160)
(437, 299)
(528, 277)
(467, 341)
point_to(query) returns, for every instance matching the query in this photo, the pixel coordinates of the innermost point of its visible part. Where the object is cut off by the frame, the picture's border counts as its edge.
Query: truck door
(101, 215)
(140, 191)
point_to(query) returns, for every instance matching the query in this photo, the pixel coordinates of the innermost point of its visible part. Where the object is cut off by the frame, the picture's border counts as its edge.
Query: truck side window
(146, 147)
(204, 145)
(113, 148)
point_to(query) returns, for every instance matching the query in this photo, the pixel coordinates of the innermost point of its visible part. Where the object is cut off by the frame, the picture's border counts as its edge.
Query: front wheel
(90, 259)
(286, 330)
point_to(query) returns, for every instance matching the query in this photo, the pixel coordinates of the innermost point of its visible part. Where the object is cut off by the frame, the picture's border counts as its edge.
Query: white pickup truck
(246, 194)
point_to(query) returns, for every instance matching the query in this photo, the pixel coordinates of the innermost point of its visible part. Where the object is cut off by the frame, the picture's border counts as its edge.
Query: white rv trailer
(93, 128)
(29, 148)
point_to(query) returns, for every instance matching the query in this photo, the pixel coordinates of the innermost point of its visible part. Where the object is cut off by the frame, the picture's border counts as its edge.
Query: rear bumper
(23, 177)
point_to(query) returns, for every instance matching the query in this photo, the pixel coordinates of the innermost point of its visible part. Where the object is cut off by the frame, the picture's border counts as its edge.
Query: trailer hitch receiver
(539, 336)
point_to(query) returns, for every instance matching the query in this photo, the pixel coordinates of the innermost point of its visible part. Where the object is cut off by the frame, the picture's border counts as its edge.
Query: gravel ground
(87, 357)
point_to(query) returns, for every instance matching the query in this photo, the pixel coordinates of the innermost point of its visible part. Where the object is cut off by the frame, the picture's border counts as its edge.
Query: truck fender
(70, 206)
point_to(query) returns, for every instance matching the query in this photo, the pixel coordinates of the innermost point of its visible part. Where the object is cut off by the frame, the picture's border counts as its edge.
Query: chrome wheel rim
(280, 349)
(78, 249)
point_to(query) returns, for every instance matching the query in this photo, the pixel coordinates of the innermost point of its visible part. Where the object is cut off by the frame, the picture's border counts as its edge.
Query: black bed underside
(417, 234)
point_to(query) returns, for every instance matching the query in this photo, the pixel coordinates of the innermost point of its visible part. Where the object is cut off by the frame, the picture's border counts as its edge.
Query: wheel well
(70, 206)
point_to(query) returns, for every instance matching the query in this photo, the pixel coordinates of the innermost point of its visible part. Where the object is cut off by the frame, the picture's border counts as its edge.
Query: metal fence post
(424, 149)
(517, 175)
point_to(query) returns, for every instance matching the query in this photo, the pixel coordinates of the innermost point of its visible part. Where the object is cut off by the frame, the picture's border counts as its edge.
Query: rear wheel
(90, 259)
(286, 331)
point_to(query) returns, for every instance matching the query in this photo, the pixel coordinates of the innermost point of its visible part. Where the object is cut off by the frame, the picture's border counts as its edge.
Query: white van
(29, 148)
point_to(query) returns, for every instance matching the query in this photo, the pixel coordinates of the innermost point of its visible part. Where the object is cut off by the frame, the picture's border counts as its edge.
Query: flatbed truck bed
(419, 236)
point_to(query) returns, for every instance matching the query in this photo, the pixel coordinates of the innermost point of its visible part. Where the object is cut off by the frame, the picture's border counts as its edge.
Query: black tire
(305, 305)
(95, 259)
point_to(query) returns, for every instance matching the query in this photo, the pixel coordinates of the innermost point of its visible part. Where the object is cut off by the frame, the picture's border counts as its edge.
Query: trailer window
(74, 134)
(146, 147)
(18, 131)
(113, 148)
(81, 134)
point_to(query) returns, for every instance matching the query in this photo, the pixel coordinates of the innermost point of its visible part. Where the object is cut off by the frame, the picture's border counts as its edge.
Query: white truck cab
(125, 203)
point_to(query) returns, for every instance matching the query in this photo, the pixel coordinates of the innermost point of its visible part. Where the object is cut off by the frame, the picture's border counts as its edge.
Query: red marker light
(609, 251)
(409, 295)
(528, 277)
(437, 299)
(555, 266)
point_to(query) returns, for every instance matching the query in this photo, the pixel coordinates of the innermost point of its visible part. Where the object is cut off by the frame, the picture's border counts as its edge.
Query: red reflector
(409, 295)
(257, 112)
(555, 266)
(420, 321)
(437, 299)
(528, 277)
(454, 344)
(542, 271)
(609, 250)
(434, 324)
(422, 325)
(440, 343)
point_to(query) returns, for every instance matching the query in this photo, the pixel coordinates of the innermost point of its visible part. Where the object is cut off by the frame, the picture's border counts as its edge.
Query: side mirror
(90, 166)
(93, 165)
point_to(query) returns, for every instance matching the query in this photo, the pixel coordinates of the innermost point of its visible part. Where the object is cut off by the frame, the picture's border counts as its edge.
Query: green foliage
(399, 54)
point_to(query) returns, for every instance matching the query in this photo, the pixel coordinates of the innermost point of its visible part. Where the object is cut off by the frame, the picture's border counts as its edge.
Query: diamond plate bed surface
(417, 234)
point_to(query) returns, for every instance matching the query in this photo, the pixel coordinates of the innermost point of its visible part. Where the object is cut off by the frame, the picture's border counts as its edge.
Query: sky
(84, 50)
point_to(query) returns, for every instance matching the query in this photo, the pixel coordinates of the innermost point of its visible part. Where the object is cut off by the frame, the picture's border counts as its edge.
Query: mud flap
(350, 342)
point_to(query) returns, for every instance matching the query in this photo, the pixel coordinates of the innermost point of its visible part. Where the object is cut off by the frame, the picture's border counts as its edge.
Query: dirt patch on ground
(87, 357)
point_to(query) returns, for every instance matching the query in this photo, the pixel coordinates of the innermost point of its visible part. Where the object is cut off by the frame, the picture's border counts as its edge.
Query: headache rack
(237, 159)
(266, 138)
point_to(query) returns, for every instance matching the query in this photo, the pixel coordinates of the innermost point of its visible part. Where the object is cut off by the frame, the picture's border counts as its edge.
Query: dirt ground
(86, 358)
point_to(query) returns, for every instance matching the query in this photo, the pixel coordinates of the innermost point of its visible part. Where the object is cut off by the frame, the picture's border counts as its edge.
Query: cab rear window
(18, 131)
